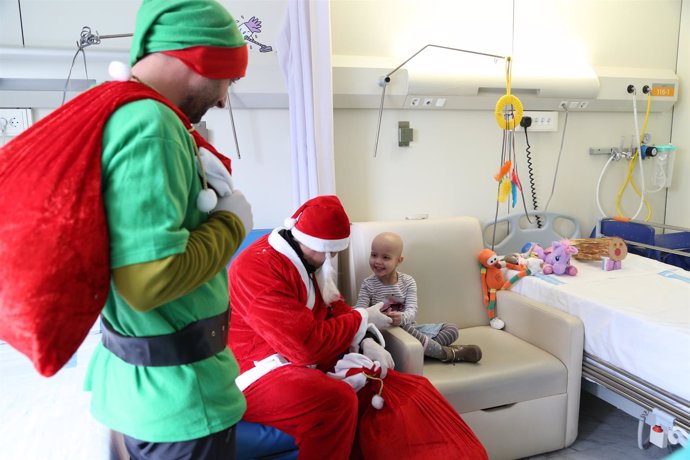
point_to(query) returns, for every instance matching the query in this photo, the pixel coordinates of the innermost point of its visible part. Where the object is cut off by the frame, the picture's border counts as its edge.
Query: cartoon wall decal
(250, 29)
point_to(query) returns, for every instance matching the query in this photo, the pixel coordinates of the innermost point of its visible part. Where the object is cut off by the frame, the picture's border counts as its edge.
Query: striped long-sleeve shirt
(374, 291)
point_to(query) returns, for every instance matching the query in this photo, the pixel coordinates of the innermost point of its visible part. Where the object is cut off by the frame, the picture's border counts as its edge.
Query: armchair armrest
(407, 352)
(554, 331)
(548, 328)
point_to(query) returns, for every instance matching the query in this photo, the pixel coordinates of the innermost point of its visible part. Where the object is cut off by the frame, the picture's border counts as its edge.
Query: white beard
(325, 277)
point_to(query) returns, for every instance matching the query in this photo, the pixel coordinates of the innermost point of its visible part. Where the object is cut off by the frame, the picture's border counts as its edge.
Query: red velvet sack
(54, 249)
(415, 423)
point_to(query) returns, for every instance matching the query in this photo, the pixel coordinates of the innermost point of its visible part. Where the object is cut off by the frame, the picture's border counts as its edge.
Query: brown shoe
(459, 353)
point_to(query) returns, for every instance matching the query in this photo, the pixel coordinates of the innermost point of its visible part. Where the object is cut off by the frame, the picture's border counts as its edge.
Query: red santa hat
(321, 224)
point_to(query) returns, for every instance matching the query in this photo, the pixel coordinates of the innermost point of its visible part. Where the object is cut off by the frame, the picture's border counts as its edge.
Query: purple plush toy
(557, 258)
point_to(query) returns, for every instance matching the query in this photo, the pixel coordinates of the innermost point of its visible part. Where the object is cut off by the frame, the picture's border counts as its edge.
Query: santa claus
(289, 326)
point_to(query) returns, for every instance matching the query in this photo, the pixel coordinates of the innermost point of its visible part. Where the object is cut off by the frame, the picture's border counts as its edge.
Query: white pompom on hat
(321, 224)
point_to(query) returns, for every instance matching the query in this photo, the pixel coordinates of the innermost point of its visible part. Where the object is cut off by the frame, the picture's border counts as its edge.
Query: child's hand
(396, 316)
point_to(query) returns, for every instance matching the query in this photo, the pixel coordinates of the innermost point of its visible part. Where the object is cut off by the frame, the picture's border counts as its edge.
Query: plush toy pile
(557, 258)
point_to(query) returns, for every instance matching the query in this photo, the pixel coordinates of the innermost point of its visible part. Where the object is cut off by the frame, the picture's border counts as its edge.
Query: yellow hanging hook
(508, 100)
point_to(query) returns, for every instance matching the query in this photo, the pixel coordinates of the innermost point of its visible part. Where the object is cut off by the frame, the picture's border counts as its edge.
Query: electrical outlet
(422, 102)
(15, 121)
(542, 121)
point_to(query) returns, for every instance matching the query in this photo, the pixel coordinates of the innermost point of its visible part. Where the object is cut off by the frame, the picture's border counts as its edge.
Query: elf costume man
(119, 216)
(289, 327)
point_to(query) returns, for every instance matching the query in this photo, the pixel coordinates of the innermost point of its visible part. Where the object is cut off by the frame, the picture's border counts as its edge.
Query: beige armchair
(523, 397)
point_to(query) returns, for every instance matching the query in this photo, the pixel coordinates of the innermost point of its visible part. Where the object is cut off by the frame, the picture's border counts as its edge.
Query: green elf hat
(201, 33)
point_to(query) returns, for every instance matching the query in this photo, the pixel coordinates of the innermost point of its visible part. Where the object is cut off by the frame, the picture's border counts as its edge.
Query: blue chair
(260, 442)
(252, 236)
(255, 441)
(630, 231)
(679, 241)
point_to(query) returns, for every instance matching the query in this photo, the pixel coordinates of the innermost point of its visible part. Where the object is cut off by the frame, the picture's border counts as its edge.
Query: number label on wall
(663, 90)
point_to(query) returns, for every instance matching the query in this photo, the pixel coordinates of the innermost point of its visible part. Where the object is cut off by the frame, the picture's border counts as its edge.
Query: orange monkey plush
(491, 273)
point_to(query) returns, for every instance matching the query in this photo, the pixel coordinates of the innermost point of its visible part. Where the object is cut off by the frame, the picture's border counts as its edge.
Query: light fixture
(386, 79)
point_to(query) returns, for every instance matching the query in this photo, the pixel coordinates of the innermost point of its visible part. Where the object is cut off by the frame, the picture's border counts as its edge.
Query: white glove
(217, 175)
(376, 352)
(237, 204)
(377, 318)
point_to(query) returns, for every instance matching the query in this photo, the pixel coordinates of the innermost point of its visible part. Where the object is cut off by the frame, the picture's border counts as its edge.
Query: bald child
(398, 292)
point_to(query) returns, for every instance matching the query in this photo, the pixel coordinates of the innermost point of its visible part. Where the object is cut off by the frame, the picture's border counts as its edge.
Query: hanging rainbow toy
(507, 178)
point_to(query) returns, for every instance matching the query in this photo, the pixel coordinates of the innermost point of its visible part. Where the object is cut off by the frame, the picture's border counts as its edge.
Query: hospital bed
(510, 233)
(637, 335)
(668, 243)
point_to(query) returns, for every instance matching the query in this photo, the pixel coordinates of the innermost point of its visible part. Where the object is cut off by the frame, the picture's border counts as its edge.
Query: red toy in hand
(392, 304)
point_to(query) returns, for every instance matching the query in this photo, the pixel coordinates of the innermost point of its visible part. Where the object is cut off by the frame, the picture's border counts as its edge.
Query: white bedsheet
(636, 318)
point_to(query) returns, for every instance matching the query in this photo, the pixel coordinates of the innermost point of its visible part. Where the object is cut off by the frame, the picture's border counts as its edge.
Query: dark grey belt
(199, 340)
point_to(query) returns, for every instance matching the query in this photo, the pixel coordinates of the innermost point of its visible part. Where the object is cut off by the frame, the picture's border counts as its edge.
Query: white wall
(448, 169)
(264, 170)
(679, 193)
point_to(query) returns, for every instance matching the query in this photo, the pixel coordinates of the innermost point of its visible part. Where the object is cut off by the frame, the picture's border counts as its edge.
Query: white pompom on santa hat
(321, 224)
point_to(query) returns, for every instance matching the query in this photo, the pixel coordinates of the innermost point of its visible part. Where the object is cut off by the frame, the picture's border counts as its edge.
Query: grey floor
(48, 419)
(605, 432)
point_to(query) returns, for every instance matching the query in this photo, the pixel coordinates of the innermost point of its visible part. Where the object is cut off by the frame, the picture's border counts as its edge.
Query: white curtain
(304, 53)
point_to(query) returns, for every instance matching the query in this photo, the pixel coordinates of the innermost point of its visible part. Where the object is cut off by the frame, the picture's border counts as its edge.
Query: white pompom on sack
(119, 71)
(206, 200)
(377, 402)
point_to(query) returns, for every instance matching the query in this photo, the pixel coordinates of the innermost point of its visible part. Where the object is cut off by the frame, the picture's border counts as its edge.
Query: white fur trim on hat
(318, 244)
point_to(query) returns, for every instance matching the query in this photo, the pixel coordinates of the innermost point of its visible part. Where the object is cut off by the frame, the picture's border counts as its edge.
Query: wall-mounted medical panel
(581, 89)
(36, 77)
(614, 92)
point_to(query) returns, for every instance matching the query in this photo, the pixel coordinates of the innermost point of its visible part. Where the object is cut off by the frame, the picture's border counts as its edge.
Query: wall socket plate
(425, 102)
(14, 121)
(542, 121)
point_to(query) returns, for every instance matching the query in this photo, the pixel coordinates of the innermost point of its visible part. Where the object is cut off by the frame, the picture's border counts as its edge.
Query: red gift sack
(54, 250)
(415, 423)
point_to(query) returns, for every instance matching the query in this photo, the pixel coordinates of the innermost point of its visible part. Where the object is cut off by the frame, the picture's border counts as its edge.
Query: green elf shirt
(150, 186)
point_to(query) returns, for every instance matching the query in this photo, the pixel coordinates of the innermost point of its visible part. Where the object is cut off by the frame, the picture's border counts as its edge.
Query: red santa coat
(276, 308)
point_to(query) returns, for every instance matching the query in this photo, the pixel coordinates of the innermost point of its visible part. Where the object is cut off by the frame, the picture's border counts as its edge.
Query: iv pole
(386, 79)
